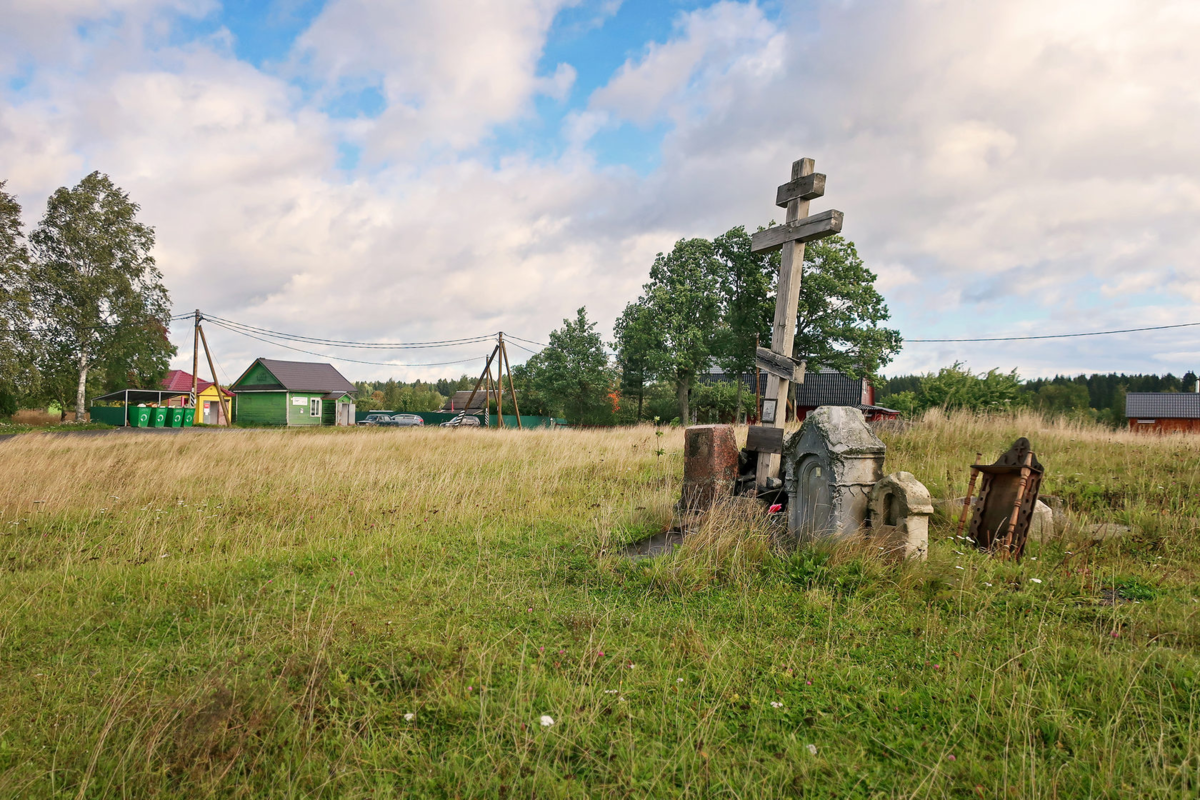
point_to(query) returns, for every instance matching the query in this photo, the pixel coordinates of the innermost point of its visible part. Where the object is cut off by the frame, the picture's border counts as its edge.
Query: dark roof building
(298, 376)
(458, 401)
(1163, 412)
(826, 387)
(273, 392)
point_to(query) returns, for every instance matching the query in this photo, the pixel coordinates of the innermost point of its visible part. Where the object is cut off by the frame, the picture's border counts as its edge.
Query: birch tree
(98, 294)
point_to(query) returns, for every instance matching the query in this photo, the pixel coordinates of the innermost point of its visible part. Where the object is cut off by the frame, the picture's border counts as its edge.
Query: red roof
(179, 381)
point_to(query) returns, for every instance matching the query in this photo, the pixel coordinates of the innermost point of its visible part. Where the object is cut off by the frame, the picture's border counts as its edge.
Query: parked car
(387, 420)
(465, 421)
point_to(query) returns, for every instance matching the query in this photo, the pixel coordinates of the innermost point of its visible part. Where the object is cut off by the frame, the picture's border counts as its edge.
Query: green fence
(109, 415)
(438, 417)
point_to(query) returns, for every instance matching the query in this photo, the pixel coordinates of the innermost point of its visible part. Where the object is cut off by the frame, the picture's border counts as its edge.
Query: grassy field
(379, 613)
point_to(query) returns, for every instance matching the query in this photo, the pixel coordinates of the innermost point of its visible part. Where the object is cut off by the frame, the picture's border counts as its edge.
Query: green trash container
(139, 416)
(189, 416)
(160, 417)
(175, 417)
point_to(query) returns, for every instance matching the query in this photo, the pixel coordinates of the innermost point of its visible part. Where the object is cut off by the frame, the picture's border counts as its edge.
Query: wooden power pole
(196, 360)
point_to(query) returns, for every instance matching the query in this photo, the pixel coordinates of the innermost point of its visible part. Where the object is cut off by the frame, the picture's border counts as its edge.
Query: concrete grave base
(710, 465)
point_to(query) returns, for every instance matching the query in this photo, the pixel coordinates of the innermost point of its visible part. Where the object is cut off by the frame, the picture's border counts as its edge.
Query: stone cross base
(710, 465)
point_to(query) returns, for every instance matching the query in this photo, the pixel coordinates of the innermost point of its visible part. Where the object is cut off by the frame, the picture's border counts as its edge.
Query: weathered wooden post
(782, 370)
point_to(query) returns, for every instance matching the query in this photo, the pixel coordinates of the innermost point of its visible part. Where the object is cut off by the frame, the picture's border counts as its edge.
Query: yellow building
(208, 409)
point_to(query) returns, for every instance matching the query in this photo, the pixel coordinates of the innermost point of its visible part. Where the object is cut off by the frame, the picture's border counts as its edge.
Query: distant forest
(392, 395)
(1100, 397)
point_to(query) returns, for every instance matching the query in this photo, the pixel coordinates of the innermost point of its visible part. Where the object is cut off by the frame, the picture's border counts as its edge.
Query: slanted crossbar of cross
(790, 237)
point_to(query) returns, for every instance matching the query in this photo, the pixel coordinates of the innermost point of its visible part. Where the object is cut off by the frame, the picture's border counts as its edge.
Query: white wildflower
(546, 720)
(812, 749)
(775, 704)
(1035, 580)
(409, 717)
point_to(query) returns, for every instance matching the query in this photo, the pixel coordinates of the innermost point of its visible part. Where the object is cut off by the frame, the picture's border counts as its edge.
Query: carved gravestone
(831, 464)
(899, 510)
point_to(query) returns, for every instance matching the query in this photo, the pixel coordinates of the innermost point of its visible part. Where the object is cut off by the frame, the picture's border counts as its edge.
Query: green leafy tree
(634, 345)
(419, 397)
(1062, 398)
(572, 375)
(956, 387)
(98, 294)
(682, 301)
(840, 315)
(16, 361)
(747, 308)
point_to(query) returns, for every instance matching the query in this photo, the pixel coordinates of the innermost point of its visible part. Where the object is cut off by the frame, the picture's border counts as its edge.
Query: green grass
(254, 615)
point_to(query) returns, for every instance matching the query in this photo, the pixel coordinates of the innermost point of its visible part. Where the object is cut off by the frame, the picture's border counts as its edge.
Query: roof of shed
(305, 376)
(458, 400)
(829, 387)
(181, 381)
(1162, 405)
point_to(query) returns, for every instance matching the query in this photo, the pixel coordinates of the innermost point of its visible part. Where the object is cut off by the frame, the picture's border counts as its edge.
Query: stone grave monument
(710, 464)
(899, 513)
(831, 464)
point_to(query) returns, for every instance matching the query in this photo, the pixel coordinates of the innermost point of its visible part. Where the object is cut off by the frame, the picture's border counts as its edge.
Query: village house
(209, 410)
(826, 387)
(1163, 412)
(458, 401)
(292, 393)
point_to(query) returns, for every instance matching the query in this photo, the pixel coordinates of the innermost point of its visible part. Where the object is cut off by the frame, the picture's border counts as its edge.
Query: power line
(340, 358)
(346, 343)
(527, 341)
(1056, 335)
(523, 347)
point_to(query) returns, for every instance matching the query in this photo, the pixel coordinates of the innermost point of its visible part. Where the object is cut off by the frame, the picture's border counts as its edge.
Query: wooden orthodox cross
(782, 370)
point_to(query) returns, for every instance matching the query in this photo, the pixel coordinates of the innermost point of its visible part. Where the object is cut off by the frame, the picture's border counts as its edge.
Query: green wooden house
(292, 393)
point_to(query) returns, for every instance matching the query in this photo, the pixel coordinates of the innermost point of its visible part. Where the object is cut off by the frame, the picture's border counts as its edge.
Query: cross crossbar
(785, 367)
(807, 187)
(805, 229)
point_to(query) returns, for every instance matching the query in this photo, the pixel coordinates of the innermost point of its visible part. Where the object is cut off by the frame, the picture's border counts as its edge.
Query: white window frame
(314, 406)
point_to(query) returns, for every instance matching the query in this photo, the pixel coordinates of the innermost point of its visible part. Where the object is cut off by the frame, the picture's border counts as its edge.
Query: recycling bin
(160, 417)
(189, 416)
(175, 417)
(139, 417)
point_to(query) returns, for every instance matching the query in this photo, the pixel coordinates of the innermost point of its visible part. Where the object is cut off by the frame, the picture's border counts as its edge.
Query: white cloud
(727, 41)
(996, 162)
(449, 69)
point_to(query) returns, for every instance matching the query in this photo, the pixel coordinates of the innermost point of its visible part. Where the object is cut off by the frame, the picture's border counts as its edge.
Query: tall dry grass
(253, 613)
(127, 497)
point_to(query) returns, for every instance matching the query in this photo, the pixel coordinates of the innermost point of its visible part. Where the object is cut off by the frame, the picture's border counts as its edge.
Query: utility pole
(216, 380)
(196, 360)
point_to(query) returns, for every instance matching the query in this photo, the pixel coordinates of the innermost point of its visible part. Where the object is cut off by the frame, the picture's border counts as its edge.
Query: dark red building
(1163, 412)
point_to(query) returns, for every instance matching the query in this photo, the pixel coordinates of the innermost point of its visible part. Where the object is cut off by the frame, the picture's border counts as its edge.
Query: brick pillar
(710, 462)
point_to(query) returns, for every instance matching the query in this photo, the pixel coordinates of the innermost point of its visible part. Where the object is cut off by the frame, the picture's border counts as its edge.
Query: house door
(210, 413)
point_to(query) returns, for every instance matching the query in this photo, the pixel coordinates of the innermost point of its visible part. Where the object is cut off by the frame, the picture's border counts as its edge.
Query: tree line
(393, 395)
(1097, 397)
(83, 307)
(708, 303)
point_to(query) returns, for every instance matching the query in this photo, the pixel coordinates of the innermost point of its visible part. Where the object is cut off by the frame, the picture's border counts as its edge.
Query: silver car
(465, 421)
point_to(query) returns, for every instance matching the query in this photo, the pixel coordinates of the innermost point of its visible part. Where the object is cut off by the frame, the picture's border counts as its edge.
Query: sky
(442, 169)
